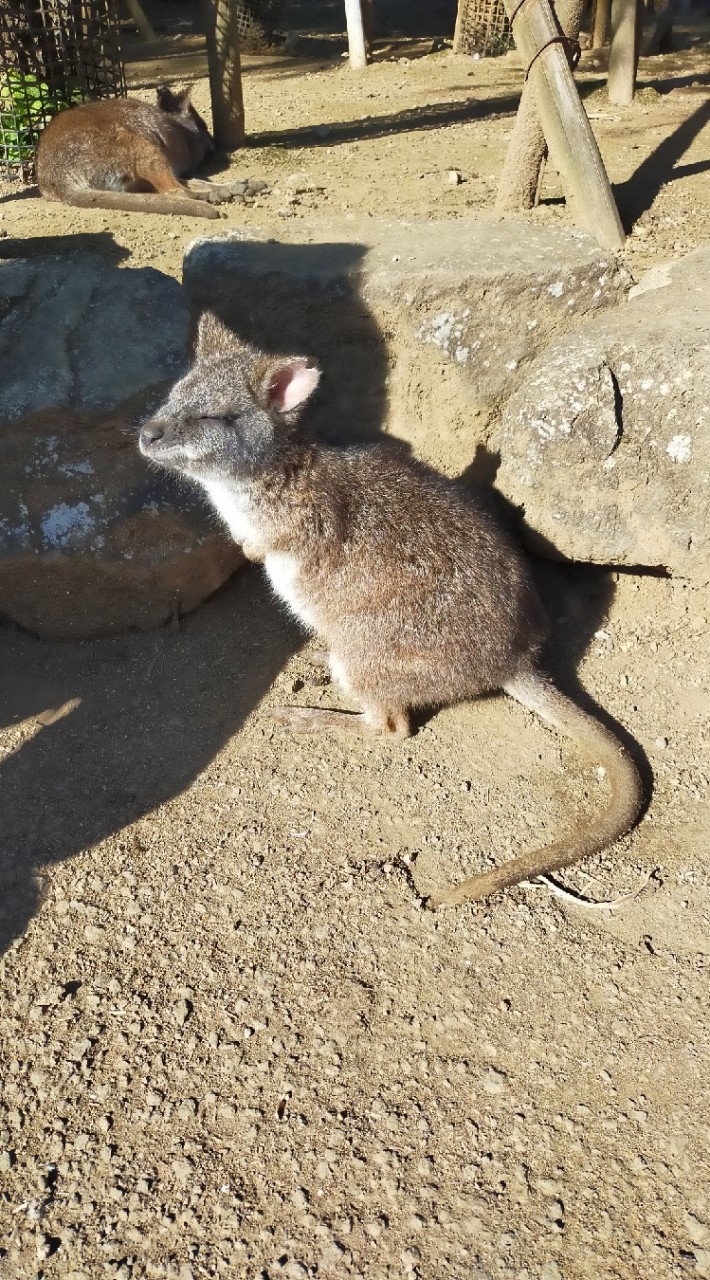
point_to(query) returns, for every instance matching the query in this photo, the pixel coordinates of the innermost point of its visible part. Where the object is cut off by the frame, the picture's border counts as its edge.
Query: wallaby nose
(150, 433)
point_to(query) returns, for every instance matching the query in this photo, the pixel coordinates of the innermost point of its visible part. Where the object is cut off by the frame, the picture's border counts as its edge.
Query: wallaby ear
(211, 334)
(172, 102)
(287, 384)
(165, 98)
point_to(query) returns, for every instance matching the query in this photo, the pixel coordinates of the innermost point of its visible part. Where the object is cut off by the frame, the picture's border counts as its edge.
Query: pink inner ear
(291, 384)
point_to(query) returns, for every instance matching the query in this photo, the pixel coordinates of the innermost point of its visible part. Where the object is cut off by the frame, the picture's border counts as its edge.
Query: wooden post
(356, 34)
(519, 184)
(458, 29)
(568, 133)
(225, 70)
(660, 30)
(368, 23)
(623, 55)
(600, 32)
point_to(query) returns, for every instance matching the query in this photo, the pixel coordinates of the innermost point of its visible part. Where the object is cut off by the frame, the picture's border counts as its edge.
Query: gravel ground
(231, 1041)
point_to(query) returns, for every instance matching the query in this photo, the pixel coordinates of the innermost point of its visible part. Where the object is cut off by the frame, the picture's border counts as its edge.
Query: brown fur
(121, 153)
(420, 596)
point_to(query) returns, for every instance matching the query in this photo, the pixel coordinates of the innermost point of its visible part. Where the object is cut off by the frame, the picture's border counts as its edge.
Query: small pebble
(182, 1012)
(495, 1081)
(555, 1211)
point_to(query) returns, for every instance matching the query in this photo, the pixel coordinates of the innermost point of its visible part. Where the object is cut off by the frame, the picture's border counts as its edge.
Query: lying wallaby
(421, 598)
(120, 153)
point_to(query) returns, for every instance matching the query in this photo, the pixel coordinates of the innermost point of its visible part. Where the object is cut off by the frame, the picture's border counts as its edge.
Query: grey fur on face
(230, 412)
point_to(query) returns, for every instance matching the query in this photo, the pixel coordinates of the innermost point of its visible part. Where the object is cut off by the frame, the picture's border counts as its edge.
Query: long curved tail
(142, 202)
(537, 693)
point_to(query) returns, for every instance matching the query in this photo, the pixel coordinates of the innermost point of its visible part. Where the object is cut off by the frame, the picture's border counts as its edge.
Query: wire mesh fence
(482, 27)
(257, 21)
(53, 54)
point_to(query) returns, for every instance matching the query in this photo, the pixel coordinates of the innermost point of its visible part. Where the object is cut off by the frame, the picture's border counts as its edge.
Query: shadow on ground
(636, 196)
(101, 242)
(415, 120)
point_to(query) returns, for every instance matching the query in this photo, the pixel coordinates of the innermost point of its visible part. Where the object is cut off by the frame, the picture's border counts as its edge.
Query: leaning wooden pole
(356, 34)
(568, 133)
(520, 180)
(222, 31)
(145, 27)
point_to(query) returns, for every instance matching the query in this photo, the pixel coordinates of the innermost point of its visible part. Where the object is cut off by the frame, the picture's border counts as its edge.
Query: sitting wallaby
(420, 597)
(120, 153)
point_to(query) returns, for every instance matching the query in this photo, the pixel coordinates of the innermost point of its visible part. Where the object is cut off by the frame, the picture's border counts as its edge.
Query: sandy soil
(231, 1041)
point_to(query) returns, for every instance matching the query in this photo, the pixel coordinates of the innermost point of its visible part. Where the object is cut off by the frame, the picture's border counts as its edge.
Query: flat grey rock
(606, 445)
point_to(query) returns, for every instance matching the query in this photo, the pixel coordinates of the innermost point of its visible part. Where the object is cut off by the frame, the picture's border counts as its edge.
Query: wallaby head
(231, 412)
(179, 105)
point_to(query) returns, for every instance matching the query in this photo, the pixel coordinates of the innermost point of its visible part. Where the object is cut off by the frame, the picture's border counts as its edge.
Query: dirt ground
(232, 1043)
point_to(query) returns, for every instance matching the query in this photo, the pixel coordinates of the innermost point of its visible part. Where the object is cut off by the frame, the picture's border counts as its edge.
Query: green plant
(26, 106)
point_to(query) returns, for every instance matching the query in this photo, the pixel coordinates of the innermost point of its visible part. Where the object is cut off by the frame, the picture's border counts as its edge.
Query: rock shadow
(102, 732)
(301, 299)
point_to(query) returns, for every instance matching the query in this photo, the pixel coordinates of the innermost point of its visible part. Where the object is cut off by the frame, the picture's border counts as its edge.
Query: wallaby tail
(539, 695)
(142, 202)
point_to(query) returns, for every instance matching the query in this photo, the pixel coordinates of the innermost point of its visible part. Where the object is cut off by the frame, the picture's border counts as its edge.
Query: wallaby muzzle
(162, 434)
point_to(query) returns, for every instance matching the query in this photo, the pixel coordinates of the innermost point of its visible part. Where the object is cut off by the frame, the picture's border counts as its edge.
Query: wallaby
(120, 153)
(422, 599)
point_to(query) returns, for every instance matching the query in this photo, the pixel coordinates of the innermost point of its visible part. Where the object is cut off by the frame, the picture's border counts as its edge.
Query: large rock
(421, 327)
(91, 540)
(606, 444)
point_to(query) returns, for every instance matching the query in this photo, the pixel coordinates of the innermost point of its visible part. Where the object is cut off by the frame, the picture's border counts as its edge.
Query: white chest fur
(283, 576)
(234, 507)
